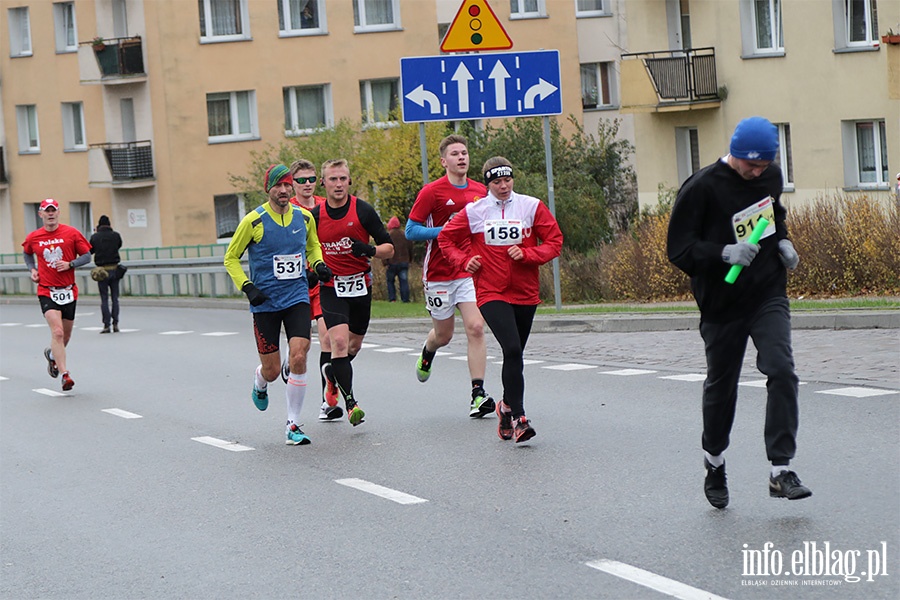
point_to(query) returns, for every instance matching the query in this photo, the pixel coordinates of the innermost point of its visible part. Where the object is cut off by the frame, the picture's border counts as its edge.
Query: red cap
(48, 203)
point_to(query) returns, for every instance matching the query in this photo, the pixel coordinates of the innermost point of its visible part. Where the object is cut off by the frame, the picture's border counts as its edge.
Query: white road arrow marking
(543, 88)
(420, 96)
(499, 74)
(462, 77)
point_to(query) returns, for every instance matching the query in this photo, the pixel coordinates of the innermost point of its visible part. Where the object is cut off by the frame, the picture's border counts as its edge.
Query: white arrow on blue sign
(480, 86)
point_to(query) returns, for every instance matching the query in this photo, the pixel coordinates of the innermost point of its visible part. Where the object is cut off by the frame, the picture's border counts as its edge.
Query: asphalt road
(606, 502)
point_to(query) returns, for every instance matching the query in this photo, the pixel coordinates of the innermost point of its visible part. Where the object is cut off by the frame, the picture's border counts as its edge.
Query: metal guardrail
(202, 276)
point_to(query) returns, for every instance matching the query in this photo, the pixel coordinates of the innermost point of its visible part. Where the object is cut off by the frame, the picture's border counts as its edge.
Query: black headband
(497, 173)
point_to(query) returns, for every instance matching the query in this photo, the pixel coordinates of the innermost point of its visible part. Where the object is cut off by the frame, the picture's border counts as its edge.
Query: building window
(301, 17)
(32, 216)
(378, 100)
(687, 152)
(223, 20)
(862, 22)
(66, 33)
(29, 135)
(229, 211)
(865, 154)
(73, 126)
(80, 218)
(527, 9)
(784, 156)
(19, 32)
(232, 116)
(590, 8)
(307, 109)
(597, 85)
(767, 25)
(376, 15)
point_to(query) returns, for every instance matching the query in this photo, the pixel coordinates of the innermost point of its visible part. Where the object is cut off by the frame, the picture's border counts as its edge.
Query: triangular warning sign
(475, 27)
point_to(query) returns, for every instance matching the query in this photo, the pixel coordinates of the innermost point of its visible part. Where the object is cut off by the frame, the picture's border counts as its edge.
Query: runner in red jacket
(502, 240)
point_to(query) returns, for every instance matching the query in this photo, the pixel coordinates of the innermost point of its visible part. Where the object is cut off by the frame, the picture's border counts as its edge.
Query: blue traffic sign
(480, 86)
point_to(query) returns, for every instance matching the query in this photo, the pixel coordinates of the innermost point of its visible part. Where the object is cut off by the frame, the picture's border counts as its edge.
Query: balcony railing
(678, 77)
(119, 57)
(128, 161)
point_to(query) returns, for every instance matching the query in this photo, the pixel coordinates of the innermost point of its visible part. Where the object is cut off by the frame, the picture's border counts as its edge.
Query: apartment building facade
(140, 109)
(817, 69)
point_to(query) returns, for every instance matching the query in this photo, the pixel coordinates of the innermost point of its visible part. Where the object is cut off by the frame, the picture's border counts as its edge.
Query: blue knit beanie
(754, 138)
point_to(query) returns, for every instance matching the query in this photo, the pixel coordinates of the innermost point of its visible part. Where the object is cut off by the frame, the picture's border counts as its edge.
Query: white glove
(787, 254)
(741, 253)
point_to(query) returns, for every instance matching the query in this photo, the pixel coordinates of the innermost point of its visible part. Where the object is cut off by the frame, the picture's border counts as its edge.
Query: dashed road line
(858, 392)
(175, 332)
(627, 372)
(569, 367)
(661, 584)
(685, 377)
(219, 333)
(230, 446)
(118, 412)
(391, 350)
(380, 491)
(51, 393)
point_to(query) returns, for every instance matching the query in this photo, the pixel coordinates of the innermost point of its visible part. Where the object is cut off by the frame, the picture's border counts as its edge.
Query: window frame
(605, 85)
(220, 217)
(785, 156)
(776, 28)
(521, 13)
(26, 117)
(81, 217)
(235, 117)
(205, 7)
(361, 25)
(851, 143)
(63, 12)
(284, 16)
(368, 111)
(841, 16)
(687, 152)
(292, 103)
(20, 42)
(603, 11)
(72, 123)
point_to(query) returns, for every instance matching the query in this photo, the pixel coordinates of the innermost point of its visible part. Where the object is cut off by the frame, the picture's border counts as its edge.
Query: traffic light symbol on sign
(475, 27)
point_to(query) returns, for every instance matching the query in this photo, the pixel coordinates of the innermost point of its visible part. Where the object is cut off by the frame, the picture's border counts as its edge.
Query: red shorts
(315, 306)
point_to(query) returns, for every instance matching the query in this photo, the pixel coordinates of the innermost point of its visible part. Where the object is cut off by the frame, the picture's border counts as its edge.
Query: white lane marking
(627, 372)
(858, 392)
(9, 324)
(51, 393)
(685, 377)
(2, 378)
(128, 330)
(36, 325)
(219, 333)
(175, 332)
(231, 446)
(761, 383)
(569, 367)
(661, 584)
(368, 345)
(118, 412)
(380, 490)
(464, 357)
(528, 361)
(90, 328)
(438, 353)
(392, 350)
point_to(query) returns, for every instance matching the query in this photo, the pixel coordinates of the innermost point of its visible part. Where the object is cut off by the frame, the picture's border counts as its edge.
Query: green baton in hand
(757, 232)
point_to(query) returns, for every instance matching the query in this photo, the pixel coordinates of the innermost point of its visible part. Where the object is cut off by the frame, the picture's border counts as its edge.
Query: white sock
(295, 392)
(779, 469)
(259, 381)
(715, 461)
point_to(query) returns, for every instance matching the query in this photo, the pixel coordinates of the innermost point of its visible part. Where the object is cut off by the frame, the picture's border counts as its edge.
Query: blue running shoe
(260, 398)
(294, 436)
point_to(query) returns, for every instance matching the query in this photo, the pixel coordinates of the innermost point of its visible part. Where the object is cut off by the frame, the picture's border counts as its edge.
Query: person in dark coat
(397, 267)
(105, 244)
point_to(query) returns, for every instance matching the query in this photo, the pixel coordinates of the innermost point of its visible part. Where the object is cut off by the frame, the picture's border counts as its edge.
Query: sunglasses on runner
(302, 180)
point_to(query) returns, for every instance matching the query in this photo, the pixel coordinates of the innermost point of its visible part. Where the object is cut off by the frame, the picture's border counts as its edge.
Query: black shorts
(355, 311)
(267, 326)
(67, 310)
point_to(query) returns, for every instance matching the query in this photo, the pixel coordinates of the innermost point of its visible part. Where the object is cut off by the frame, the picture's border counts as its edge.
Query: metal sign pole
(423, 151)
(548, 159)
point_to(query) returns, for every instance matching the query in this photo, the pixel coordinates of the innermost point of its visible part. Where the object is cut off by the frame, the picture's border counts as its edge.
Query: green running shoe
(260, 398)
(294, 436)
(423, 370)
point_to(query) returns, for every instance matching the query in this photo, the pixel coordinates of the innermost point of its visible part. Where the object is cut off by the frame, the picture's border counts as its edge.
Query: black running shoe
(787, 485)
(523, 431)
(51, 364)
(716, 486)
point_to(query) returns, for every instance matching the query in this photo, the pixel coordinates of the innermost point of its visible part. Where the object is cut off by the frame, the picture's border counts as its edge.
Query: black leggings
(511, 325)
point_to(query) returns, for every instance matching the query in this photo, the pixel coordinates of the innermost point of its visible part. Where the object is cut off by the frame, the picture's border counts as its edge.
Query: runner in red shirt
(304, 174)
(59, 250)
(503, 240)
(448, 287)
(345, 223)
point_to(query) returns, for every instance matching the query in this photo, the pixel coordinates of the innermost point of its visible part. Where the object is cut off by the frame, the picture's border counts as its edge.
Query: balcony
(124, 165)
(3, 178)
(669, 81)
(112, 61)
